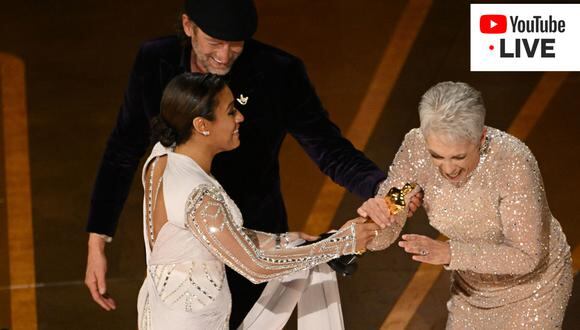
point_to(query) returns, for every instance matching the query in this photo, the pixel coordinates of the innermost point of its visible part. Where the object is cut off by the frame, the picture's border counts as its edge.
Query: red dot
(490, 47)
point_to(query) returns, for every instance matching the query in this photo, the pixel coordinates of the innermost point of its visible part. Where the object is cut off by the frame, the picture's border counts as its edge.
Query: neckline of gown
(196, 166)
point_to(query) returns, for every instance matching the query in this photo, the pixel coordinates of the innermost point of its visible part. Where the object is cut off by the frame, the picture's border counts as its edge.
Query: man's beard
(203, 63)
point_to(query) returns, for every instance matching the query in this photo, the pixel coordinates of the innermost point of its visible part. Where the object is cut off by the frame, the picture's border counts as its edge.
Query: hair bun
(162, 132)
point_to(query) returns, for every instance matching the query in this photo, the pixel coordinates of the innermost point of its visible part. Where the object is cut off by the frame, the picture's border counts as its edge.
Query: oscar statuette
(398, 203)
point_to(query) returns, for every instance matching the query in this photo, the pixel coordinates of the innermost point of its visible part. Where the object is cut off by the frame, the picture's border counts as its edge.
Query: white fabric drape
(314, 291)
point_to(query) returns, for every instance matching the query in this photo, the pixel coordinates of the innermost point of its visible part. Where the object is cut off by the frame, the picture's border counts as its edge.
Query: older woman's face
(455, 159)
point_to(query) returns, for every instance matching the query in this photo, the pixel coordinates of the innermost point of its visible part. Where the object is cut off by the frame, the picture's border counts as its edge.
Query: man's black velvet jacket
(281, 100)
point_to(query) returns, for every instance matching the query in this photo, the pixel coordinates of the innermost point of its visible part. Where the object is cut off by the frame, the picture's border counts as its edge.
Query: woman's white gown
(186, 286)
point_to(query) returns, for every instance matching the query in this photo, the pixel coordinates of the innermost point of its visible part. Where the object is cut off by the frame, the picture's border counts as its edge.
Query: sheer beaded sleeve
(211, 221)
(269, 241)
(401, 171)
(521, 206)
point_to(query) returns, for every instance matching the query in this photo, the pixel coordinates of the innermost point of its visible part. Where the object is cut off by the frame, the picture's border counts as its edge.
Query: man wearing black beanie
(275, 96)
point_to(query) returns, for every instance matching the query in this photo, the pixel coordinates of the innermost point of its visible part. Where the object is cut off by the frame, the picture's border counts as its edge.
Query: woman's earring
(205, 133)
(484, 146)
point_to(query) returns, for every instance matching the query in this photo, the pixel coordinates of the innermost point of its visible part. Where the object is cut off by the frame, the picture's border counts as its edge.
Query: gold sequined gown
(186, 286)
(510, 262)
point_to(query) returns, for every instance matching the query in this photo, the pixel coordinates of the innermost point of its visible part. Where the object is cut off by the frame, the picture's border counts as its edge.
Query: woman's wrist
(447, 265)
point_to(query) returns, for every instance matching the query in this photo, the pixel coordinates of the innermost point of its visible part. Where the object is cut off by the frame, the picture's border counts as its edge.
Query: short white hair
(454, 109)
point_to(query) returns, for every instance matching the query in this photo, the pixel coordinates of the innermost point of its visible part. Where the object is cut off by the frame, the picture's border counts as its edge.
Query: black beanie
(229, 20)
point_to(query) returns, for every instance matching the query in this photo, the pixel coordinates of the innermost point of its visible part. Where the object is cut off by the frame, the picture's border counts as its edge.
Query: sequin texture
(510, 262)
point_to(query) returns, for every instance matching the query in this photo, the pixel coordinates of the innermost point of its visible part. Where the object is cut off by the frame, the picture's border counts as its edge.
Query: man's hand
(96, 270)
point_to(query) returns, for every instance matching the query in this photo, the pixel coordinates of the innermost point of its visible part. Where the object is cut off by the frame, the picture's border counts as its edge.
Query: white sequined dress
(186, 286)
(510, 262)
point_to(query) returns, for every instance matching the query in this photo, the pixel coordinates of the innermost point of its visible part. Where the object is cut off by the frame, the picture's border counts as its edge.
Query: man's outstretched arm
(126, 145)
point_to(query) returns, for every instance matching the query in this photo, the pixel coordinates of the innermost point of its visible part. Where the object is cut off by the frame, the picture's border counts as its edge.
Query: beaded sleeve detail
(211, 220)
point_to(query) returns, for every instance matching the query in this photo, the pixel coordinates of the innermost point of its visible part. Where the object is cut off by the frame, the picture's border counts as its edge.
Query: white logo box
(566, 46)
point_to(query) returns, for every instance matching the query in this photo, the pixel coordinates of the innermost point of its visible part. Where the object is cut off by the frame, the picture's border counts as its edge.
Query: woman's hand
(426, 249)
(364, 232)
(415, 203)
(377, 210)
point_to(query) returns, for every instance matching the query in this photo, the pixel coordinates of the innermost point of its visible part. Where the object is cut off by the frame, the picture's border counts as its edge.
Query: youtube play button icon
(493, 24)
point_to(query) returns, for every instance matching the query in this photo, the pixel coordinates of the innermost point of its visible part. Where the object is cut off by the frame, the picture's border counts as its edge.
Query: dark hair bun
(161, 132)
(187, 96)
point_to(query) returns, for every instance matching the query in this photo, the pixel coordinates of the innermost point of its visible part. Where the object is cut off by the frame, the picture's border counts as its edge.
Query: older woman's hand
(426, 249)
(415, 203)
(377, 210)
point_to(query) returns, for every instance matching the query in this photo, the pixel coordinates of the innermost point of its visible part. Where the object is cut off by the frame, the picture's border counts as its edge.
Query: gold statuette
(397, 202)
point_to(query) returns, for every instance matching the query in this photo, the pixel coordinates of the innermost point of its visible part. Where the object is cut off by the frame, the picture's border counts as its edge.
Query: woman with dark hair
(193, 229)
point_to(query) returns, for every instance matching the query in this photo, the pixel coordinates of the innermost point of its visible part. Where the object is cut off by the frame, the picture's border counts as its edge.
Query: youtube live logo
(493, 24)
(525, 37)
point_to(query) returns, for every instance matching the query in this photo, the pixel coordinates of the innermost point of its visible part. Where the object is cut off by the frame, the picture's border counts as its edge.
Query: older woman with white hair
(510, 262)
